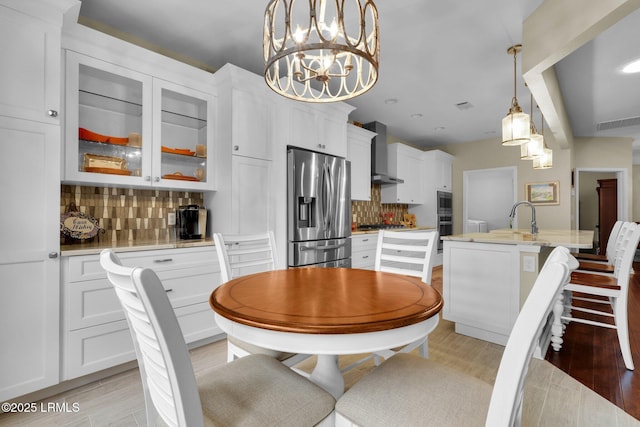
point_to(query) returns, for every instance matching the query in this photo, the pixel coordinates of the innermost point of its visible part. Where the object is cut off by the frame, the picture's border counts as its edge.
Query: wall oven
(444, 215)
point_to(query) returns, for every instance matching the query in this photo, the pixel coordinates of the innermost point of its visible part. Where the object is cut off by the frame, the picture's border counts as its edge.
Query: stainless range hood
(379, 166)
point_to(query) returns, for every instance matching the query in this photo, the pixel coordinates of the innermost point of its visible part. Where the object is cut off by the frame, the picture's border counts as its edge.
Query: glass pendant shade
(544, 162)
(515, 129)
(321, 50)
(533, 148)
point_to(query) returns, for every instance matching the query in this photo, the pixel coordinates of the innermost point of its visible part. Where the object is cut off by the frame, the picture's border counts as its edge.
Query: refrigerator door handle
(321, 248)
(327, 195)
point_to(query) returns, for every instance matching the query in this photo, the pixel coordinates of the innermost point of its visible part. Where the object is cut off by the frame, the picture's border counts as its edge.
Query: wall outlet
(529, 263)
(171, 218)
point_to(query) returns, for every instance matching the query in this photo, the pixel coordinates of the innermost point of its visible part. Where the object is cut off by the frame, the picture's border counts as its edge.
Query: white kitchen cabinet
(437, 165)
(405, 163)
(95, 334)
(125, 127)
(29, 216)
(321, 128)
(252, 119)
(251, 195)
(30, 83)
(363, 250)
(359, 154)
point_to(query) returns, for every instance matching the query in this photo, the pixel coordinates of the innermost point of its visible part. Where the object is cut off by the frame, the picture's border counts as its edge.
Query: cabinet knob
(236, 147)
(53, 255)
(52, 113)
(156, 179)
(147, 178)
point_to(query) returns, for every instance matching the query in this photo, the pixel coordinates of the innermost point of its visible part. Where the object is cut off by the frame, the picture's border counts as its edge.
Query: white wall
(489, 195)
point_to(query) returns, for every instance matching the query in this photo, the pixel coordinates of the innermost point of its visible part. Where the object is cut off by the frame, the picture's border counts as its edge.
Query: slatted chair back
(166, 368)
(243, 254)
(505, 408)
(409, 253)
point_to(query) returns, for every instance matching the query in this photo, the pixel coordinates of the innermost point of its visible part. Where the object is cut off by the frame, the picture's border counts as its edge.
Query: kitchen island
(488, 276)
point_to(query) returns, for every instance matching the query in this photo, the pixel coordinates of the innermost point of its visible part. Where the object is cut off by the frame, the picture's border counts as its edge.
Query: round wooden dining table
(326, 312)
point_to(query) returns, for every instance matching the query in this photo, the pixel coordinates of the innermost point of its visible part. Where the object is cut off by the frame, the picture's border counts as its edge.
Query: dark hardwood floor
(591, 355)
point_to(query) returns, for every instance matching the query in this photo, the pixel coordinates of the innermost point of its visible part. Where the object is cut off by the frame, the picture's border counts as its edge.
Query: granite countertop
(145, 245)
(581, 239)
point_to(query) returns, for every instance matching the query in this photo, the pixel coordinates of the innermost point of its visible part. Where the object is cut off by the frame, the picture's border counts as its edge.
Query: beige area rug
(552, 398)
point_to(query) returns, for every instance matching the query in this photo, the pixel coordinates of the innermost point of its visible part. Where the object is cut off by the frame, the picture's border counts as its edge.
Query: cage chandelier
(516, 125)
(321, 50)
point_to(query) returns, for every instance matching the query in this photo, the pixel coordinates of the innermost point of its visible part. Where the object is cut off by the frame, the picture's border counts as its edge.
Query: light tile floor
(552, 398)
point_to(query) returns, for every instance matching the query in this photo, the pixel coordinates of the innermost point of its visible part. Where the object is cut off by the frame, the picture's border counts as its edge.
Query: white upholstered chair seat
(407, 390)
(393, 397)
(257, 390)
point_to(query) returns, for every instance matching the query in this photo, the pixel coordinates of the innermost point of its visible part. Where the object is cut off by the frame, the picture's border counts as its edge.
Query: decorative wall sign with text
(78, 225)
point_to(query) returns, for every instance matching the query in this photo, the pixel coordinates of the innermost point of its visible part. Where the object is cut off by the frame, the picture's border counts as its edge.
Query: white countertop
(581, 239)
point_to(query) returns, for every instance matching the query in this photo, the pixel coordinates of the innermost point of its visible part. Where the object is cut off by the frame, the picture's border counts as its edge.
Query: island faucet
(534, 225)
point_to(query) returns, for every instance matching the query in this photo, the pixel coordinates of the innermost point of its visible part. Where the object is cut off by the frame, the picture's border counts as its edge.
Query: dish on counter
(88, 135)
(180, 177)
(100, 161)
(181, 151)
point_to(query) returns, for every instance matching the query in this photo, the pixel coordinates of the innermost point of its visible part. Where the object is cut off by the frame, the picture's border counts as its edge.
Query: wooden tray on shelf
(181, 151)
(88, 135)
(180, 177)
(111, 171)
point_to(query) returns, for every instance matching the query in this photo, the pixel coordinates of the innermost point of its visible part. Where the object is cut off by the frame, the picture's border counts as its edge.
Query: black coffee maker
(191, 222)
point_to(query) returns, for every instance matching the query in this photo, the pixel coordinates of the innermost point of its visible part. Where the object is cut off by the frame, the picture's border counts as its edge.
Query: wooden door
(607, 209)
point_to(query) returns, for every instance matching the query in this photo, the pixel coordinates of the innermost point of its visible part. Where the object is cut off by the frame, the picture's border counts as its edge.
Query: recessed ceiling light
(416, 116)
(391, 101)
(632, 67)
(439, 128)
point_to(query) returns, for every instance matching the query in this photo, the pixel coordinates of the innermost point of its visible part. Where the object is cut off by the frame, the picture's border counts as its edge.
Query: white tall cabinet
(30, 111)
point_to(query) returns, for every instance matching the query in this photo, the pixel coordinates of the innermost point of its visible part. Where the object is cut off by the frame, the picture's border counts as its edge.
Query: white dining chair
(253, 391)
(244, 254)
(408, 390)
(605, 263)
(609, 291)
(410, 254)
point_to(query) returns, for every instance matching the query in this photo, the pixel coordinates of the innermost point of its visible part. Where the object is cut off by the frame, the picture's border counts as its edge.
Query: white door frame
(623, 191)
(467, 175)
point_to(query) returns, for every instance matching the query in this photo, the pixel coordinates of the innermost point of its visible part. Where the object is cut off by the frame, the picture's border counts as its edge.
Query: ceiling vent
(615, 124)
(464, 105)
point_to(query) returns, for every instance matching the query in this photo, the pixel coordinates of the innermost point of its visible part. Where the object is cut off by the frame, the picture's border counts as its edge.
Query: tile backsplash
(125, 213)
(371, 212)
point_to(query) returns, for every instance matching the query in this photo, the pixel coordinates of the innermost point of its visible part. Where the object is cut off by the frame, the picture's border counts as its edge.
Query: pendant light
(546, 160)
(533, 148)
(321, 50)
(516, 125)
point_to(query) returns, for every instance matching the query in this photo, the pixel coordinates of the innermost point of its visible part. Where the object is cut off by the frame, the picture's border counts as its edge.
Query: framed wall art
(543, 193)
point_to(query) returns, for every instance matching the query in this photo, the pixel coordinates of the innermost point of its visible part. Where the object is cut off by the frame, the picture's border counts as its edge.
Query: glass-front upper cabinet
(128, 128)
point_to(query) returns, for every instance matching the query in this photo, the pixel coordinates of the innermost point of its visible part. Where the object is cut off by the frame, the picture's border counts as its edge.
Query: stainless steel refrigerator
(319, 209)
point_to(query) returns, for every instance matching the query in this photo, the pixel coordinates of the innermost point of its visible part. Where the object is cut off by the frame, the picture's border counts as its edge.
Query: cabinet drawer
(101, 347)
(87, 267)
(94, 349)
(363, 259)
(95, 302)
(364, 242)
